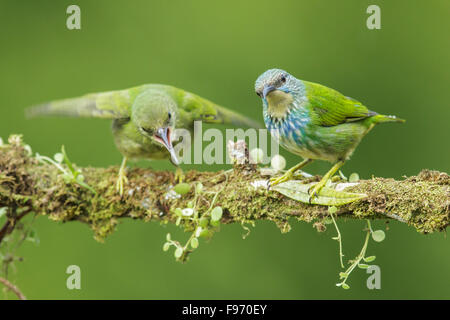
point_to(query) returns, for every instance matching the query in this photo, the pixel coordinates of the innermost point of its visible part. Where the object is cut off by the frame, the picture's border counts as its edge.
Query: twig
(339, 239)
(13, 288)
(344, 275)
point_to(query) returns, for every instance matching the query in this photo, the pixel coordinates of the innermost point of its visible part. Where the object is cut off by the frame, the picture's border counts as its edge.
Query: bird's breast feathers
(291, 131)
(279, 104)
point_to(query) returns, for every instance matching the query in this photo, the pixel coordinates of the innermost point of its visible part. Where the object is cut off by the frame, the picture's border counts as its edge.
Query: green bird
(144, 118)
(313, 121)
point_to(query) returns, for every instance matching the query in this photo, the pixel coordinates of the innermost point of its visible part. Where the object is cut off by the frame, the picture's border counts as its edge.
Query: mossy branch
(27, 185)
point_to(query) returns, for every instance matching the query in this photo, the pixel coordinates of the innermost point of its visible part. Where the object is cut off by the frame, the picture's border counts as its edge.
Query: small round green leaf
(168, 238)
(178, 212)
(177, 223)
(378, 235)
(369, 259)
(194, 243)
(216, 214)
(166, 246)
(187, 212)
(332, 209)
(59, 157)
(178, 253)
(363, 266)
(198, 231)
(354, 177)
(182, 188)
(345, 286)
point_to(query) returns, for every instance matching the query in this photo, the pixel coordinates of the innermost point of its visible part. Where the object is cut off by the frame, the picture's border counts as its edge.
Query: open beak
(267, 90)
(162, 135)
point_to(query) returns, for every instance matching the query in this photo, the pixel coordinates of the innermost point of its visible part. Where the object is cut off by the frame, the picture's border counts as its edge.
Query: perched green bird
(313, 121)
(144, 118)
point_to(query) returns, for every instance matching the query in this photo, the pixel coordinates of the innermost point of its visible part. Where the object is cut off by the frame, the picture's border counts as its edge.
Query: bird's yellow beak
(163, 136)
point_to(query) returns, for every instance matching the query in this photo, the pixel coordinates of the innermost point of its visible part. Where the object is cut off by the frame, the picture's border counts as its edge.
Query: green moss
(421, 201)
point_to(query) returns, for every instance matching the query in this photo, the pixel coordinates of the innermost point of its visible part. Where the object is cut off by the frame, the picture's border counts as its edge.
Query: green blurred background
(217, 49)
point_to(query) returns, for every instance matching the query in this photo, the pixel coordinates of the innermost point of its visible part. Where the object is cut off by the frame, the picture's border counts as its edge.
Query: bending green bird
(313, 121)
(144, 118)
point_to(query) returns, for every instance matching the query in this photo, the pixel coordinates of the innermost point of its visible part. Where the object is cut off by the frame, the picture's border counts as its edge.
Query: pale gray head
(277, 79)
(278, 90)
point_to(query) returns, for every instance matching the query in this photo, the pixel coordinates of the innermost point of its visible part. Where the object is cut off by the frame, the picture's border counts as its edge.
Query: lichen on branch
(28, 185)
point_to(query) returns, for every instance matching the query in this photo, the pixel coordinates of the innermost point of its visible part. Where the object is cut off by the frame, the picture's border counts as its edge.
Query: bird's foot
(285, 177)
(179, 175)
(337, 179)
(315, 190)
(289, 175)
(122, 180)
(301, 175)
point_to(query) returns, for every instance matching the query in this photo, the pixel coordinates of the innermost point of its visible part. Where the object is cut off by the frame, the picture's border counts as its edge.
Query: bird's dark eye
(170, 115)
(148, 131)
(283, 78)
(258, 94)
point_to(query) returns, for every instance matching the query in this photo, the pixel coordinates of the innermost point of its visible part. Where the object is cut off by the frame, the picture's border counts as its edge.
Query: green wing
(331, 108)
(193, 107)
(117, 105)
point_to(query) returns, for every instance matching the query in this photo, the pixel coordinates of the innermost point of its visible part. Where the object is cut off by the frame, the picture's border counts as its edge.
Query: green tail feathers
(108, 105)
(75, 107)
(380, 118)
(236, 119)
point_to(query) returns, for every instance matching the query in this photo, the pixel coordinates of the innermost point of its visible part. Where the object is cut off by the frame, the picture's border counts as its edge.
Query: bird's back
(117, 105)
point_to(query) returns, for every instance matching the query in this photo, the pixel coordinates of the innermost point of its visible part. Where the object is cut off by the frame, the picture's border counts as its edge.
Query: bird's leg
(289, 174)
(179, 175)
(122, 179)
(318, 186)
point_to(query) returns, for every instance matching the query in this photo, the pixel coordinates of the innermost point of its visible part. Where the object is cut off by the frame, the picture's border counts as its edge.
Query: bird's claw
(315, 190)
(285, 177)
